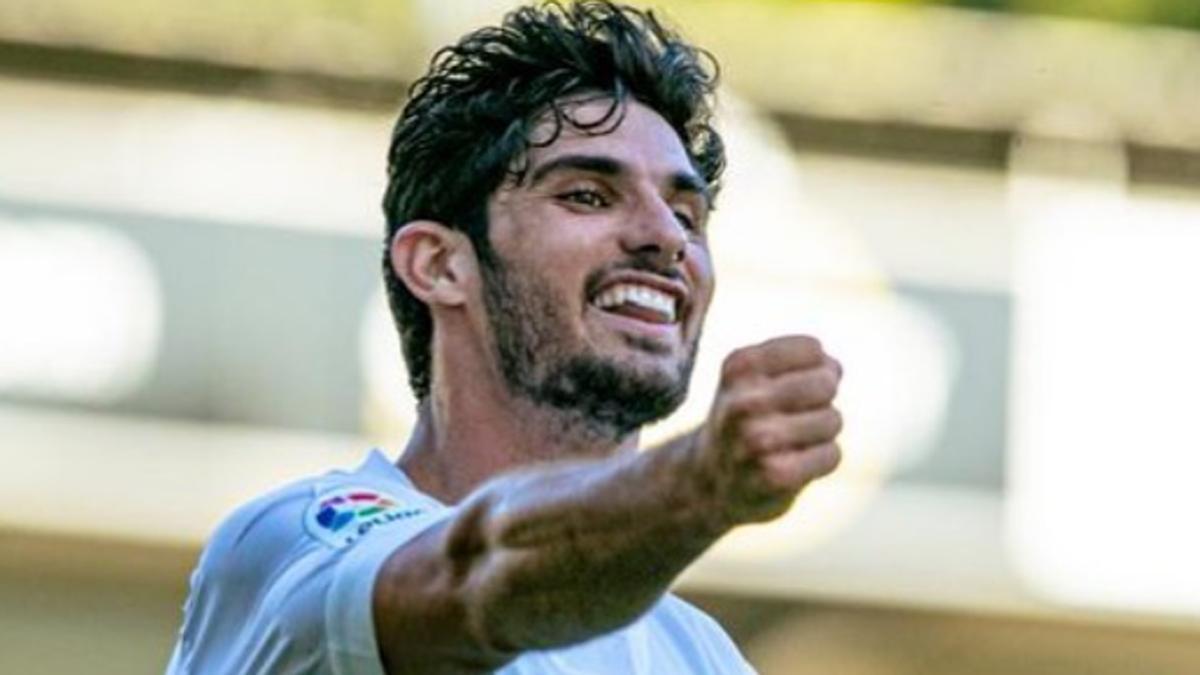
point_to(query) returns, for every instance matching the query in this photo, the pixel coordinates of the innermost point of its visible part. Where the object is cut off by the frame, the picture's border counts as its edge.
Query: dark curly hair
(467, 124)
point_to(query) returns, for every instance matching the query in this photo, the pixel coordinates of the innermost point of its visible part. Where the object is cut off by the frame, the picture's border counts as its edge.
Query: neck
(469, 434)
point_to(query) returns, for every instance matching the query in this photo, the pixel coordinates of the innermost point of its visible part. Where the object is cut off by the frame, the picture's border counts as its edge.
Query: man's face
(601, 275)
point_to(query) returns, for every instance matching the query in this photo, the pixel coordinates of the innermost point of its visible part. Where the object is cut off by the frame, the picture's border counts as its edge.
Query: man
(550, 184)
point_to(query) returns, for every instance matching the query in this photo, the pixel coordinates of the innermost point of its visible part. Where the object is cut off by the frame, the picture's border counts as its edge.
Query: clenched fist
(772, 427)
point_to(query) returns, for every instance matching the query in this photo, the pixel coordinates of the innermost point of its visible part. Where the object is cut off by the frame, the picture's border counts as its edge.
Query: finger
(775, 356)
(793, 469)
(795, 392)
(788, 433)
(801, 390)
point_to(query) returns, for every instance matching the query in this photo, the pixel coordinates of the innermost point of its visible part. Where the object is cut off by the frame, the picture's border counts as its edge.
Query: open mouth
(640, 302)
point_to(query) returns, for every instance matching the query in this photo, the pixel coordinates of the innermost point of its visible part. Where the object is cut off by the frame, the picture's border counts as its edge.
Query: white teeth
(634, 294)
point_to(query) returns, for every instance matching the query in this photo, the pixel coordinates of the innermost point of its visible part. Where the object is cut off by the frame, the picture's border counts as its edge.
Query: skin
(563, 532)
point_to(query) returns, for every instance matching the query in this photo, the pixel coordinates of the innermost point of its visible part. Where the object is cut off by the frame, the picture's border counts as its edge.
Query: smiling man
(550, 182)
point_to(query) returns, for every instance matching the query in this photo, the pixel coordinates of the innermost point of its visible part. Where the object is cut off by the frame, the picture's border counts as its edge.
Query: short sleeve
(708, 648)
(285, 584)
(349, 621)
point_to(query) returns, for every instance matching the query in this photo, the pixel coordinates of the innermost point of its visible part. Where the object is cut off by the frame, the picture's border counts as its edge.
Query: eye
(691, 216)
(686, 221)
(586, 197)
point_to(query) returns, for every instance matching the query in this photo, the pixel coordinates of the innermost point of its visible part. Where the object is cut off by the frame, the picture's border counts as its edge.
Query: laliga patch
(341, 516)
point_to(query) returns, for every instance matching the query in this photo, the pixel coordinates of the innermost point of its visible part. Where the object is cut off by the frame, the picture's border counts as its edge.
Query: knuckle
(808, 344)
(829, 456)
(826, 385)
(836, 422)
(759, 440)
(815, 388)
(748, 403)
(738, 363)
(837, 367)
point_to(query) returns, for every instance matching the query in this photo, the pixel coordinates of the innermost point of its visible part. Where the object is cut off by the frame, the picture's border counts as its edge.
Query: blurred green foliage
(389, 38)
(364, 34)
(1177, 13)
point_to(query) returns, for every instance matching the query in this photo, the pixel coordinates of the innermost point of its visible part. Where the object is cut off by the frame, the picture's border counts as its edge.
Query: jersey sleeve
(285, 584)
(709, 647)
(349, 624)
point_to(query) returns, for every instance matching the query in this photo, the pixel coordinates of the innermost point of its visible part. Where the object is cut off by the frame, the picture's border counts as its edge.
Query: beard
(540, 361)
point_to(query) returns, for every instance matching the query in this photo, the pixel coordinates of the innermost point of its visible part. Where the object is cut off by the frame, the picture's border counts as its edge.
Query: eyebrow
(681, 181)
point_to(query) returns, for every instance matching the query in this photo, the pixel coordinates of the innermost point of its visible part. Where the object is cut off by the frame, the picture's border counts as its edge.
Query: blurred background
(989, 209)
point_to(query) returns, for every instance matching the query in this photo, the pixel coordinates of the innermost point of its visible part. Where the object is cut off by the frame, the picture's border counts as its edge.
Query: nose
(655, 233)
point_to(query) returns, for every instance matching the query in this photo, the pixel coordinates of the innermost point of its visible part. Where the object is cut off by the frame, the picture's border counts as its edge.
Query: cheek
(700, 268)
(566, 263)
(558, 280)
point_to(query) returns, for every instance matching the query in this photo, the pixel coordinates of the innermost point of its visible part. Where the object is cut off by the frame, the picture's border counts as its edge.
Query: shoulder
(258, 532)
(227, 617)
(268, 580)
(325, 513)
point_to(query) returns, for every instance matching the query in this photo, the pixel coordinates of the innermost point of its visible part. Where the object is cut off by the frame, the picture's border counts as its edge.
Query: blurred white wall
(191, 315)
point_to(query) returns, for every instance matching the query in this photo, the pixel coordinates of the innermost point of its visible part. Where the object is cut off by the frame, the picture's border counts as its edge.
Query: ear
(435, 262)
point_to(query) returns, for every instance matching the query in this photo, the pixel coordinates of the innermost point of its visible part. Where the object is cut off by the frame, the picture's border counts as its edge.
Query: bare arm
(561, 553)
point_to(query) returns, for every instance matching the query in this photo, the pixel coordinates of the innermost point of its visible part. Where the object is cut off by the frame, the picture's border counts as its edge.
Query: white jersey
(285, 586)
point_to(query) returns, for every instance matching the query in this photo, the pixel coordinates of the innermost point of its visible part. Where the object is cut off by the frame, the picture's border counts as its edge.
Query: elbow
(471, 555)
(467, 543)
(430, 614)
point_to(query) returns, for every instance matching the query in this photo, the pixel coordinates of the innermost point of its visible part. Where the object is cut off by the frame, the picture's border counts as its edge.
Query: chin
(652, 346)
(616, 396)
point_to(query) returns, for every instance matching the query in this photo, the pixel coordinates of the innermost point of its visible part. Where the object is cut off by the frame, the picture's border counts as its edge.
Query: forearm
(541, 558)
(564, 553)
